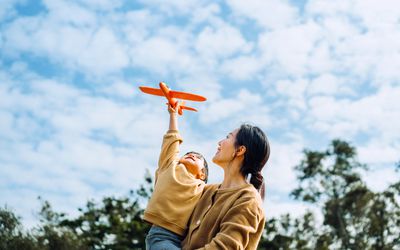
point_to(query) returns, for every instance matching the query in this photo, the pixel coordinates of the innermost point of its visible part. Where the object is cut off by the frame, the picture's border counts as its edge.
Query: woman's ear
(240, 150)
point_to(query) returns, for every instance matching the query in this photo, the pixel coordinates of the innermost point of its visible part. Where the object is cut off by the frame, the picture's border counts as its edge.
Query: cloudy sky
(73, 125)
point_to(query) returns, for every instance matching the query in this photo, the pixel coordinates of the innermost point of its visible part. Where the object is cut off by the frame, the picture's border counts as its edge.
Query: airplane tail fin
(181, 106)
(189, 108)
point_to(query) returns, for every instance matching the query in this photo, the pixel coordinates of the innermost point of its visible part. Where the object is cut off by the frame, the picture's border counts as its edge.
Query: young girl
(179, 184)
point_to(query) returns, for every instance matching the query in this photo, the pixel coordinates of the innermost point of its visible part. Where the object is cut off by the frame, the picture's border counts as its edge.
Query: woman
(230, 215)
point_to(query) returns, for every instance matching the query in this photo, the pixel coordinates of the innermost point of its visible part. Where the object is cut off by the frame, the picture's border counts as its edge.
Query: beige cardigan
(231, 218)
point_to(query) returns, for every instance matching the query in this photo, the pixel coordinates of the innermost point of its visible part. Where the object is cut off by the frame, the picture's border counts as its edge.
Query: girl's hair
(256, 155)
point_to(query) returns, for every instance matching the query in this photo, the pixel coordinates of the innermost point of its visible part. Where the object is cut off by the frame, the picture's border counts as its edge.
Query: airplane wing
(151, 91)
(187, 96)
(173, 94)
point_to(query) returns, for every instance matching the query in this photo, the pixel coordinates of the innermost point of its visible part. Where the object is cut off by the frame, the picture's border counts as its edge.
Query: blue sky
(73, 125)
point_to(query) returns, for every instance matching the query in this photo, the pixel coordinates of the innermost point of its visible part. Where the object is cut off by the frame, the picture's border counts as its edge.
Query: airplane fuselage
(164, 88)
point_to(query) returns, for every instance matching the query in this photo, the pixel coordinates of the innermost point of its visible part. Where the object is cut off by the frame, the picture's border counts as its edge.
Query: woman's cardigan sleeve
(243, 221)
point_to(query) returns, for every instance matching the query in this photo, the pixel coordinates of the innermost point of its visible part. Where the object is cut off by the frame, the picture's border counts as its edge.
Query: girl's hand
(171, 109)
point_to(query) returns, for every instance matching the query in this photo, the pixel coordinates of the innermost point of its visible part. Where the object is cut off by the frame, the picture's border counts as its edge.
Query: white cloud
(200, 83)
(378, 152)
(369, 114)
(328, 8)
(221, 110)
(120, 89)
(138, 24)
(173, 7)
(362, 38)
(332, 70)
(51, 125)
(242, 67)
(275, 208)
(7, 9)
(279, 172)
(25, 204)
(212, 41)
(293, 94)
(379, 178)
(15, 36)
(320, 60)
(6, 125)
(160, 55)
(365, 55)
(244, 107)
(62, 13)
(324, 84)
(104, 53)
(378, 15)
(331, 40)
(206, 14)
(336, 28)
(290, 48)
(73, 40)
(102, 4)
(270, 14)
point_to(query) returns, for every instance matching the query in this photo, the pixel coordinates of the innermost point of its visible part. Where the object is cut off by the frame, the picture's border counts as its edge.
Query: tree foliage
(354, 217)
(12, 236)
(114, 223)
(351, 215)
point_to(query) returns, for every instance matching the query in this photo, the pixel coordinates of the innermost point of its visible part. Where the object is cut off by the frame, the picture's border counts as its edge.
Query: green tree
(384, 218)
(331, 179)
(354, 217)
(287, 233)
(12, 235)
(116, 223)
(50, 235)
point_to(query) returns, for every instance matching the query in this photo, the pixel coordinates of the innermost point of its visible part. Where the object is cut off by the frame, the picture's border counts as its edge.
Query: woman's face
(226, 149)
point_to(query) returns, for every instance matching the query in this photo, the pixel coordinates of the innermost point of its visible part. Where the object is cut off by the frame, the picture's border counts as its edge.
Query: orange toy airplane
(172, 97)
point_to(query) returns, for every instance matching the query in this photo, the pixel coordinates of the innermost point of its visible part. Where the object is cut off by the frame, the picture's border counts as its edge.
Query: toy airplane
(172, 97)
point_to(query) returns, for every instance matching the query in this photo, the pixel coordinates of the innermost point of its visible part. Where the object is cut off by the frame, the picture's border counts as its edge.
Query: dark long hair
(256, 155)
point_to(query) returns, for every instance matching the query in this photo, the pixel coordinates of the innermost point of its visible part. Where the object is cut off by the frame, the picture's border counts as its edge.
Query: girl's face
(194, 163)
(226, 149)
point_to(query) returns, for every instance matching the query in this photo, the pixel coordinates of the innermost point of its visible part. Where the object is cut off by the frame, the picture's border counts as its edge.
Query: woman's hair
(256, 155)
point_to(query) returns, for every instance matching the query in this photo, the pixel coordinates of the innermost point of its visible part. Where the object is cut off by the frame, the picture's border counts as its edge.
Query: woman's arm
(241, 227)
